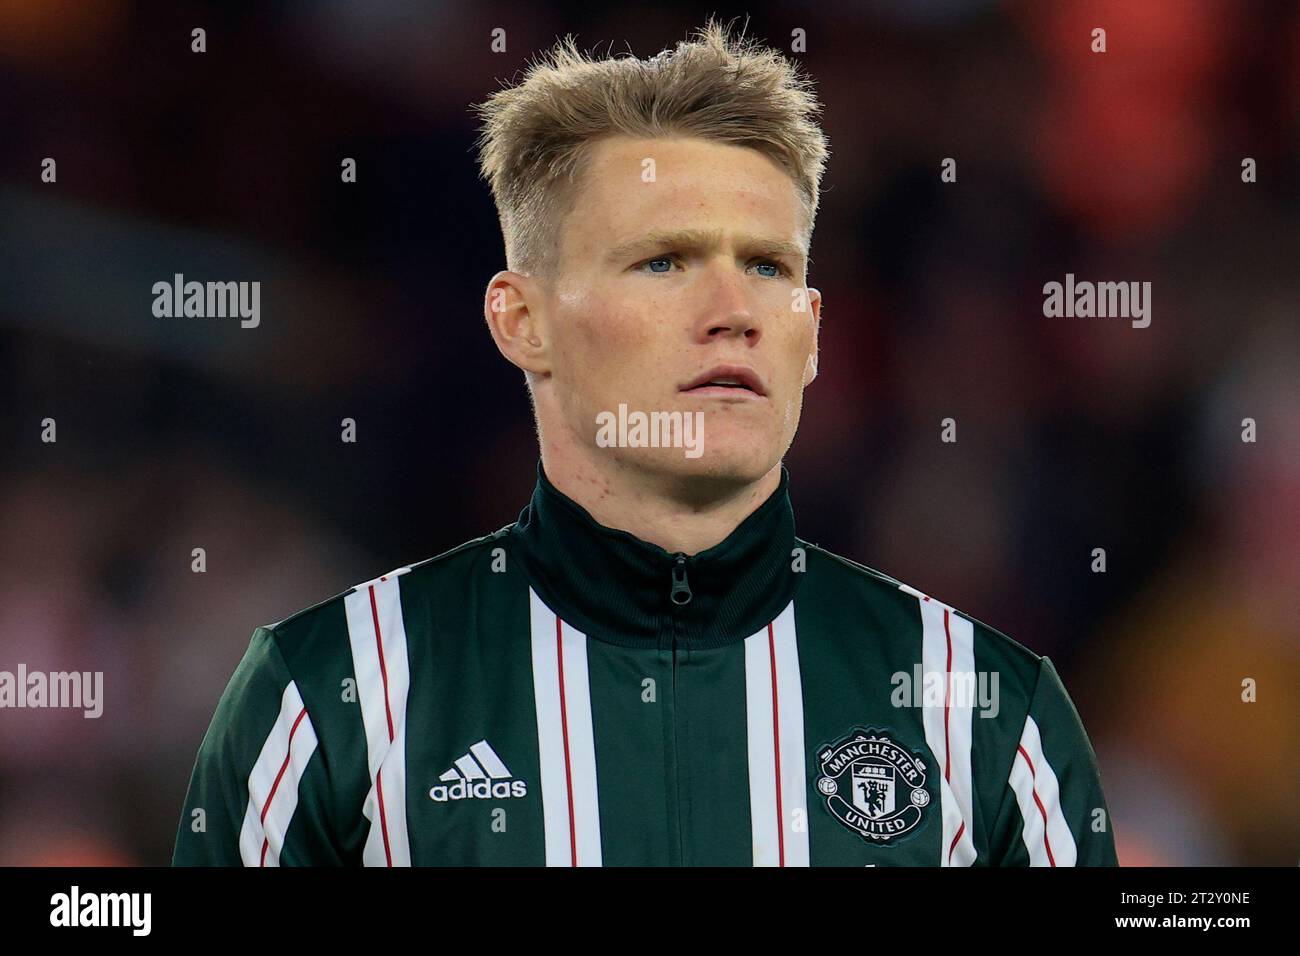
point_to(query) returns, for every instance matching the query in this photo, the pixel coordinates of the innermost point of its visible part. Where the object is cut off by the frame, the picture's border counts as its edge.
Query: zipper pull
(681, 592)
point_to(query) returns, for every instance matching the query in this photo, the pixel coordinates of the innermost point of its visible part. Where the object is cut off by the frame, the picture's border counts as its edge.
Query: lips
(740, 378)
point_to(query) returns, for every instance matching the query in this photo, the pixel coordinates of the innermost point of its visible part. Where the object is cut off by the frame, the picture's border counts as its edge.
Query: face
(696, 276)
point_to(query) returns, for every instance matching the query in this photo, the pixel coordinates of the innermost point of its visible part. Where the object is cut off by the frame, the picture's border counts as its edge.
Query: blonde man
(649, 667)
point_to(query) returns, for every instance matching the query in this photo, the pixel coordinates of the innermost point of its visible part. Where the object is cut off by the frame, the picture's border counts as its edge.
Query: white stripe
(388, 816)
(383, 755)
(255, 832)
(1041, 781)
(489, 760)
(762, 758)
(551, 722)
(762, 743)
(952, 745)
(469, 768)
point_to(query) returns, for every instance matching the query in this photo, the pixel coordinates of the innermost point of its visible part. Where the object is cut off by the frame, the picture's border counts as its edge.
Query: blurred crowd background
(1073, 433)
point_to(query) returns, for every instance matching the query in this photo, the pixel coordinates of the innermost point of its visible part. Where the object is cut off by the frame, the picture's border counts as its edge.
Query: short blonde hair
(536, 134)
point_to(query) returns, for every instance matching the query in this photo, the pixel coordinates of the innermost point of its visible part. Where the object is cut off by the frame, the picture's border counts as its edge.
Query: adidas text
(478, 790)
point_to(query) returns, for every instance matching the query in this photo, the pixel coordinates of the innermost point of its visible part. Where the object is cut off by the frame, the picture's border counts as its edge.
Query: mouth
(727, 381)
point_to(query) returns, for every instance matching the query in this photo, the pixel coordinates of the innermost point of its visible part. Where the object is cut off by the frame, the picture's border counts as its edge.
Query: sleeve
(1053, 811)
(258, 794)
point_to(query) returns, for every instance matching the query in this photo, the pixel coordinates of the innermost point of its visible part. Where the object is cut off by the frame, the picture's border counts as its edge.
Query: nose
(727, 309)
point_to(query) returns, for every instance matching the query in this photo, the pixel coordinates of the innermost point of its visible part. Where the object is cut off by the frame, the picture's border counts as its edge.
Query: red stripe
(288, 751)
(960, 830)
(383, 671)
(1041, 809)
(776, 746)
(947, 756)
(383, 817)
(564, 729)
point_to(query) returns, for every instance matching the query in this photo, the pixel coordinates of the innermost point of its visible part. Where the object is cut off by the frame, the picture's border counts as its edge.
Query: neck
(679, 513)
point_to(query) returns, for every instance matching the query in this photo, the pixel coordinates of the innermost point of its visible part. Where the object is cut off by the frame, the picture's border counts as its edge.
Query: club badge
(872, 785)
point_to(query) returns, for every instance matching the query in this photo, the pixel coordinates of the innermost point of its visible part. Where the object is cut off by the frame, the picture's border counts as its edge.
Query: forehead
(632, 185)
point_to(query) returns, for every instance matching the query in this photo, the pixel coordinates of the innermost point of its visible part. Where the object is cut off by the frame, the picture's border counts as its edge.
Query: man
(649, 667)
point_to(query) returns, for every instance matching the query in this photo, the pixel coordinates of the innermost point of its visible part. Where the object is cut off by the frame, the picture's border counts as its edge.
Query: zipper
(681, 592)
(680, 595)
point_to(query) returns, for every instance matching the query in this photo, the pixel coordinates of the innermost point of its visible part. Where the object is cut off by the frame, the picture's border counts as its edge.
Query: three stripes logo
(479, 774)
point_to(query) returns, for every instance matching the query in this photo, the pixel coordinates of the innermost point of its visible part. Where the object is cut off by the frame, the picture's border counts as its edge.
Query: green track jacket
(561, 693)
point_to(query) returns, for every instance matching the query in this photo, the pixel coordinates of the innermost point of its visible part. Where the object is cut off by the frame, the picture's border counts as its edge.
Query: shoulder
(322, 629)
(991, 648)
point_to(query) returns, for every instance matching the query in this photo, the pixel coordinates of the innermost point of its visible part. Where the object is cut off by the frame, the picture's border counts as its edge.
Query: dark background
(1073, 433)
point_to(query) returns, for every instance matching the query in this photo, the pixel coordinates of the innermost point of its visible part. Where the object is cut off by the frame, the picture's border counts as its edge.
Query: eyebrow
(697, 239)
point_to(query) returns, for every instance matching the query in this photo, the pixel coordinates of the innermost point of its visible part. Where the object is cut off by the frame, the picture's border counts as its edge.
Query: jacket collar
(617, 588)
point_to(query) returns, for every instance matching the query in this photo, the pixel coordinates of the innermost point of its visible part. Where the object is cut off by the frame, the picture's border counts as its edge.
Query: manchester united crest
(872, 785)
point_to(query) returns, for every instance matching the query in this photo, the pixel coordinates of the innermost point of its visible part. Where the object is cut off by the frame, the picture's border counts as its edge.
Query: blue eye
(652, 265)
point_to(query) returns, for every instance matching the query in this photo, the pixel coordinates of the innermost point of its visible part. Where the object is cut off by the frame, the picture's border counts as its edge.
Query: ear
(810, 364)
(514, 308)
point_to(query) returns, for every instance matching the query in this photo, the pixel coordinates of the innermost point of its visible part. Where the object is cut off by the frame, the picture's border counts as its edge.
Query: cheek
(602, 345)
(799, 344)
(602, 331)
(575, 330)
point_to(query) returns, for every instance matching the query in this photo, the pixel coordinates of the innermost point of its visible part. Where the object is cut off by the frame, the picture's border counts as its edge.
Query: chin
(738, 463)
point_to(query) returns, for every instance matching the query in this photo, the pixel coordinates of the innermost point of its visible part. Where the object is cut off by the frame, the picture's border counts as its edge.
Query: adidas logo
(479, 774)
